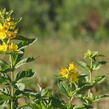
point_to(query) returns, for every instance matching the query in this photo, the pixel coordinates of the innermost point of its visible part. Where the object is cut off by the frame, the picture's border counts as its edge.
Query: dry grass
(55, 53)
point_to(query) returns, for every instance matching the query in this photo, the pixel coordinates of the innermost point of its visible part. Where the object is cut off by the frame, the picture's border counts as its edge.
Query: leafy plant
(79, 85)
(12, 89)
(72, 84)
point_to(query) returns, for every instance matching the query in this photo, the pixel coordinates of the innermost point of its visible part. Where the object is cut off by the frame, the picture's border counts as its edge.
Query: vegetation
(72, 82)
(71, 18)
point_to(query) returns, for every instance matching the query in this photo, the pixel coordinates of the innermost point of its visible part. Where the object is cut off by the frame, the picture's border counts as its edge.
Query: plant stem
(12, 79)
(90, 75)
(90, 78)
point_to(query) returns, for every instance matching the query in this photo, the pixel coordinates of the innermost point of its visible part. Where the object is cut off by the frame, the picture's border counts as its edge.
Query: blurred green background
(63, 18)
(65, 30)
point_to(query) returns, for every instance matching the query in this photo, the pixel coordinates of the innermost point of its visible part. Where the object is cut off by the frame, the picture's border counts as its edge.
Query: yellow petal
(72, 68)
(2, 35)
(3, 47)
(13, 47)
(64, 72)
(74, 77)
(1, 26)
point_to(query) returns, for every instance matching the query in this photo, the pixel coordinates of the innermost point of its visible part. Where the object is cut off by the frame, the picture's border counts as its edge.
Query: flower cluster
(70, 72)
(8, 31)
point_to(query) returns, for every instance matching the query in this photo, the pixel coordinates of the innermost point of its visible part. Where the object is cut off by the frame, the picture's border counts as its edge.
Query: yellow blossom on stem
(4, 27)
(70, 72)
(64, 72)
(13, 47)
(11, 25)
(2, 35)
(2, 32)
(74, 76)
(3, 47)
(1, 26)
(72, 68)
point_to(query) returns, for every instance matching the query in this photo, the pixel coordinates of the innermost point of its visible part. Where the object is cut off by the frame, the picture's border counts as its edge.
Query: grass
(54, 53)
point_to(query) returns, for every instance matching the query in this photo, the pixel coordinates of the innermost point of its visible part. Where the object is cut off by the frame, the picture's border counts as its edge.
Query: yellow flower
(74, 76)
(70, 73)
(4, 27)
(2, 32)
(2, 35)
(11, 25)
(13, 47)
(72, 68)
(3, 47)
(11, 34)
(64, 72)
(1, 26)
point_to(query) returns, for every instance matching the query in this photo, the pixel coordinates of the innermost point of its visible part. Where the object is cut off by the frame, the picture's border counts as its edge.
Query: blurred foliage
(68, 18)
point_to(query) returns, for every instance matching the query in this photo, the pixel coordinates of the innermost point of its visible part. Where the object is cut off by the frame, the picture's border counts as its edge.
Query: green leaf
(83, 79)
(99, 79)
(84, 65)
(20, 86)
(64, 88)
(24, 61)
(17, 57)
(27, 93)
(102, 62)
(98, 98)
(97, 65)
(83, 106)
(92, 54)
(86, 87)
(23, 74)
(3, 63)
(3, 80)
(5, 90)
(4, 66)
(91, 99)
(25, 42)
(89, 85)
(4, 98)
(22, 38)
(57, 102)
(43, 92)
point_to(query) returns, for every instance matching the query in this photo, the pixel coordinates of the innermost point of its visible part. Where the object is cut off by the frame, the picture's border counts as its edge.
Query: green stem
(90, 79)
(90, 75)
(12, 88)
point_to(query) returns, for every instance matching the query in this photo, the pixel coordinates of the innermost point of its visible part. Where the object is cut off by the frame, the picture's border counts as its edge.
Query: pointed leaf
(25, 41)
(98, 98)
(4, 98)
(23, 74)
(24, 61)
(99, 79)
(20, 86)
(17, 57)
(84, 65)
(4, 66)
